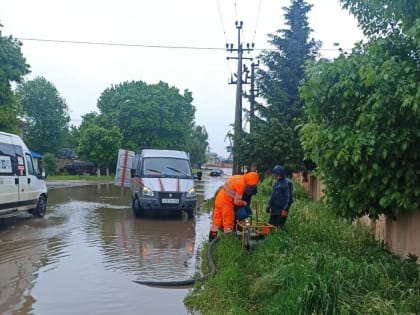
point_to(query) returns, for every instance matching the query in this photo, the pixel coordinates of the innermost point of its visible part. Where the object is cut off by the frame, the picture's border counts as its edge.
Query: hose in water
(189, 282)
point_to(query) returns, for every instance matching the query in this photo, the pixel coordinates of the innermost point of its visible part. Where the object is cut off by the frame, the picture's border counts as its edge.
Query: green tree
(148, 115)
(88, 120)
(12, 69)
(99, 145)
(198, 145)
(70, 137)
(363, 129)
(281, 148)
(46, 114)
(50, 164)
(276, 138)
(378, 19)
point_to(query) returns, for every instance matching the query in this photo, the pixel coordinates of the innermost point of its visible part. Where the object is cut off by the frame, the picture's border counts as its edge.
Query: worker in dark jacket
(281, 197)
(290, 184)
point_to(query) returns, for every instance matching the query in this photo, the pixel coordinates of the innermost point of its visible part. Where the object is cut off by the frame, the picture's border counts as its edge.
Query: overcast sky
(81, 72)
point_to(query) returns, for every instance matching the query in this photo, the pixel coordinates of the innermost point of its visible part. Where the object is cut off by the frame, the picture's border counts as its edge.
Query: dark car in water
(216, 172)
(80, 168)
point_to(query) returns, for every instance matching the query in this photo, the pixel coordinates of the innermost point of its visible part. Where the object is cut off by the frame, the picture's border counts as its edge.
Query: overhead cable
(256, 23)
(221, 20)
(60, 41)
(117, 44)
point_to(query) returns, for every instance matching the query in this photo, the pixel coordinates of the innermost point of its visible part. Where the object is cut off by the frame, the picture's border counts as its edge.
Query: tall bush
(364, 117)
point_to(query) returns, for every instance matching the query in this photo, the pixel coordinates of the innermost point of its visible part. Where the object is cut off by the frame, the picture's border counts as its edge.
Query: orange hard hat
(251, 178)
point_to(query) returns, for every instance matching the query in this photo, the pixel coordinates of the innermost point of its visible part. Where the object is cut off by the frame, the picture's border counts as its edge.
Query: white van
(160, 180)
(22, 187)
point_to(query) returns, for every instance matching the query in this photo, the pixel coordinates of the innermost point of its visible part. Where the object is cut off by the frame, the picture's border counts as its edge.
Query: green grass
(317, 264)
(79, 177)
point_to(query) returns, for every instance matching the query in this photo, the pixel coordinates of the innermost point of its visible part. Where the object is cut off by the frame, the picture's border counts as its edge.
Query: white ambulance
(160, 181)
(22, 186)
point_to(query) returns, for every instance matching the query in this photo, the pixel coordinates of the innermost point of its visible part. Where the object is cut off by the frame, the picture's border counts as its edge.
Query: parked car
(80, 168)
(216, 172)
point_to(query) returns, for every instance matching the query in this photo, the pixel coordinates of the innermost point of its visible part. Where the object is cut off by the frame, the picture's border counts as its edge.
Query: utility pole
(236, 168)
(253, 93)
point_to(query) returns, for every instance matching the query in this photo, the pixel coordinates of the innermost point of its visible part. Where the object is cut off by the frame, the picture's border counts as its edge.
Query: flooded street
(83, 256)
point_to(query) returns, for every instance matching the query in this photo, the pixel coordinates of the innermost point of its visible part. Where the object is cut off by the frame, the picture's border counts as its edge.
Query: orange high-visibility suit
(230, 195)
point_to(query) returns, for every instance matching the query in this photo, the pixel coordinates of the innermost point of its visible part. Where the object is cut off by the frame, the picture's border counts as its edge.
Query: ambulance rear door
(124, 165)
(9, 179)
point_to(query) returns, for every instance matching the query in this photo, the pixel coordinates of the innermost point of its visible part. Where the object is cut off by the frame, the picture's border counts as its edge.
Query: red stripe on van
(161, 185)
(138, 182)
(124, 167)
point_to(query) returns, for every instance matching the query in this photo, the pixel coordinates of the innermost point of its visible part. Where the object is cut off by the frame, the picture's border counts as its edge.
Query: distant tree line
(132, 115)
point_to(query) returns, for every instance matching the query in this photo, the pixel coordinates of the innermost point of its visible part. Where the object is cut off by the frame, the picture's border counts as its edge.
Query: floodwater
(83, 256)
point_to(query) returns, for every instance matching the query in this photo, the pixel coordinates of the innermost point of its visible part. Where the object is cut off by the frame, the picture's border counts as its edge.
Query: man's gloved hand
(267, 209)
(284, 213)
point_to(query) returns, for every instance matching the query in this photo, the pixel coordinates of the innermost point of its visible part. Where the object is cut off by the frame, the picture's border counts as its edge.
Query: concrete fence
(401, 235)
(311, 184)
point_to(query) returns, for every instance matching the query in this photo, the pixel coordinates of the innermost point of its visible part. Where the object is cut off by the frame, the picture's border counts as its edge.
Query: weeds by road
(318, 264)
(79, 177)
(63, 181)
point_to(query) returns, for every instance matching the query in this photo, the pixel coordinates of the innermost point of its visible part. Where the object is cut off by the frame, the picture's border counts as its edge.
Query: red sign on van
(21, 169)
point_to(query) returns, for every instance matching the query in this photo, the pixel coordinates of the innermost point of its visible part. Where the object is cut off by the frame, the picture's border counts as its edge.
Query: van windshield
(166, 167)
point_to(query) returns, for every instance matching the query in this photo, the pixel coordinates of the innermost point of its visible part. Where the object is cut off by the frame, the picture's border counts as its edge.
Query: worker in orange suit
(229, 196)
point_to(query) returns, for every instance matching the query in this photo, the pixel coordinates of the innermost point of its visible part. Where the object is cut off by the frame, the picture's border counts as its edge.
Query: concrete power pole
(253, 93)
(236, 168)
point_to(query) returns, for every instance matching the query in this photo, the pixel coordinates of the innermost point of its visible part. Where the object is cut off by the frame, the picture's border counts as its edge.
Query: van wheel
(41, 207)
(138, 212)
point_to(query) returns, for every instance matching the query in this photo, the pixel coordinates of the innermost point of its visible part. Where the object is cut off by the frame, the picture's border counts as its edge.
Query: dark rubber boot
(212, 235)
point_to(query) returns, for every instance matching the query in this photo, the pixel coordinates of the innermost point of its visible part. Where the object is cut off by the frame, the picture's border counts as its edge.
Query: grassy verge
(318, 264)
(80, 177)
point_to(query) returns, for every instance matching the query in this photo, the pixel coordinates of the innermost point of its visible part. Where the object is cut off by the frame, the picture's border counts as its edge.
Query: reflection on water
(82, 257)
(151, 249)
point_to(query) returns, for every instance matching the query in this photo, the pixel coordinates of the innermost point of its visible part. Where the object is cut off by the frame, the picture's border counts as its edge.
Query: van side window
(8, 158)
(30, 164)
(6, 166)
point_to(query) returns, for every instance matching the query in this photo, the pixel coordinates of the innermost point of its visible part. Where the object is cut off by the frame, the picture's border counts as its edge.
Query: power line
(221, 20)
(59, 41)
(224, 31)
(118, 44)
(256, 23)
